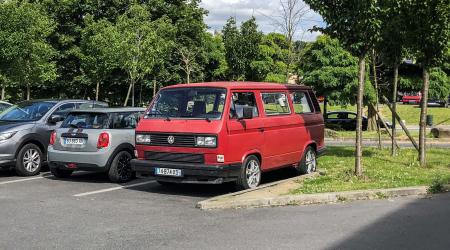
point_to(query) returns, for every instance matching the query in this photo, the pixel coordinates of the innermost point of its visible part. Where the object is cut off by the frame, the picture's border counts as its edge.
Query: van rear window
(86, 121)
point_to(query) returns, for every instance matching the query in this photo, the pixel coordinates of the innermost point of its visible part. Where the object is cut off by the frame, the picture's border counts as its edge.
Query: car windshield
(86, 120)
(188, 103)
(26, 111)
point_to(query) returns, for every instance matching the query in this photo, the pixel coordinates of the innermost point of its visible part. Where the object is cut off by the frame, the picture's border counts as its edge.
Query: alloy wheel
(31, 160)
(252, 173)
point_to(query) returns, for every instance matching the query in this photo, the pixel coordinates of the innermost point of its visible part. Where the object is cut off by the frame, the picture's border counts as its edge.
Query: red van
(228, 132)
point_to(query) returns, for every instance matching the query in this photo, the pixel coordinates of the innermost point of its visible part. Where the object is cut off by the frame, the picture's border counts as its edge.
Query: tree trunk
(371, 120)
(423, 116)
(132, 96)
(188, 76)
(154, 87)
(394, 108)
(97, 90)
(3, 92)
(377, 101)
(325, 104)
(28, 92)
(128, 95)
(359, 106)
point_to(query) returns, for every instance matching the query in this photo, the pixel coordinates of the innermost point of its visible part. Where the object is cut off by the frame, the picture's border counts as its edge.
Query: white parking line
(24, 179)
(113, 189)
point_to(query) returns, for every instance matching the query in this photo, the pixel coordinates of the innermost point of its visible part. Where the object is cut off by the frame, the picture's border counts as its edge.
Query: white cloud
(263, 10)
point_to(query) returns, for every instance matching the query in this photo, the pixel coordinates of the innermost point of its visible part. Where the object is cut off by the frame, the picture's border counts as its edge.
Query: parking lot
(87, 212)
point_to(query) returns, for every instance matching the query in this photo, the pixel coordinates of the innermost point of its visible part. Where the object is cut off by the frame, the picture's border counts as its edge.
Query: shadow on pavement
(421, 224)
(209, 190)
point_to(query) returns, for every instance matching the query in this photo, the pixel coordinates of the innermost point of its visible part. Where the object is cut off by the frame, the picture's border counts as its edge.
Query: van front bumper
(192, 173)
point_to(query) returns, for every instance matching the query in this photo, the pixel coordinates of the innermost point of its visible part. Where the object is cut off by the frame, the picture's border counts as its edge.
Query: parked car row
(196, 133)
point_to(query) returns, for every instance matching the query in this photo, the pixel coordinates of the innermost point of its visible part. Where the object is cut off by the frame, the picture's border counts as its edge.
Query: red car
(228, 132)
(412, 98)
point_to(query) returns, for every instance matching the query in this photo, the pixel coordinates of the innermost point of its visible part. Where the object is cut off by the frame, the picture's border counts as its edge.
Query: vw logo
(171, 139)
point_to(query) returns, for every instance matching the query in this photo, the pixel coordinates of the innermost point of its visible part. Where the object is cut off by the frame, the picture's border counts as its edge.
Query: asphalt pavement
(87, 212)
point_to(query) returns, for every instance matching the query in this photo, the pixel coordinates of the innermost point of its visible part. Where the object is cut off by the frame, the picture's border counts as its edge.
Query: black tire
(29, 160)
(304, 166)
(120, 170)
(61, 173)
(243, 182)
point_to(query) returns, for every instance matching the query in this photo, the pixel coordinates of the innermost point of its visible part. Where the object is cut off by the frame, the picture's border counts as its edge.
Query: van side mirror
(55, 119)
(247, 112)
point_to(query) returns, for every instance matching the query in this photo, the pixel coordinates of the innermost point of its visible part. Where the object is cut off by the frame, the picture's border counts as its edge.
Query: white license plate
(169, 172)
(74, 141)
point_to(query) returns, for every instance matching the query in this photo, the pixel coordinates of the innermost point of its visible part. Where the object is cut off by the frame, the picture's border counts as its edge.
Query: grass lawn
(409, 113)
(400, 135)
(380, 170)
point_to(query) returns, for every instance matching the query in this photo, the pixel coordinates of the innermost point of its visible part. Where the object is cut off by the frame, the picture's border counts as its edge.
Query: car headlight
(206, 141)
(143, 138)
(7, 135)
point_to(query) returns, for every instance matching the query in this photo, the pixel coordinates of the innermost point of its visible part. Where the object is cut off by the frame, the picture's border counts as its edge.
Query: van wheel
(250, 175)
(61, 173)
(308, 162)
(120, 170)
(29, 160)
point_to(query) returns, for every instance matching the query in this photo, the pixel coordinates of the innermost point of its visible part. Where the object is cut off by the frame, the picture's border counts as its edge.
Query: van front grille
(178, 140)
(175, 157)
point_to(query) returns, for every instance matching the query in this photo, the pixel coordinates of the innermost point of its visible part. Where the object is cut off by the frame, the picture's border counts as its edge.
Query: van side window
(302, 103)
(239, 101)
(275, 103)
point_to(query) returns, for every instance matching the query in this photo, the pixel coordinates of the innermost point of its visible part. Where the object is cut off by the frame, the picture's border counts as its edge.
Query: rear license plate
(74, 141)
(169, 172)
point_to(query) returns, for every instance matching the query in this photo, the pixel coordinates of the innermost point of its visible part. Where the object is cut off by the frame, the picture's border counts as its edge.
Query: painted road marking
(114, 188)
(25, 179)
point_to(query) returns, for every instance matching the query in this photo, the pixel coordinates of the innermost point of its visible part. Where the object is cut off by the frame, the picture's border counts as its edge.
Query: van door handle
(261, 129)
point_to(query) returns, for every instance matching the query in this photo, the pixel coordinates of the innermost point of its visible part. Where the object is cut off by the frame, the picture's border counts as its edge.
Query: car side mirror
(247, 113)
(55, 119)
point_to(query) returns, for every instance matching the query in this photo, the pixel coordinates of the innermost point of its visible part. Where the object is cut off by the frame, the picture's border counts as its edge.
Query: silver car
(100, 140)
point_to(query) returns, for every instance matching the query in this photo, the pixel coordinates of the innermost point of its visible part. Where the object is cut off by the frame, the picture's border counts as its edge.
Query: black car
(25, 130)
(346, 120)
(343, 120)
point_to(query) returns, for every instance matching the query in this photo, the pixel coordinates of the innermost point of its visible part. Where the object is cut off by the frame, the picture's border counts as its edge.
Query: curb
(308, 199)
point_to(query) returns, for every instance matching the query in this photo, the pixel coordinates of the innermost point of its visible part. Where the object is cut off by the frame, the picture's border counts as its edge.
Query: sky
(263, 10)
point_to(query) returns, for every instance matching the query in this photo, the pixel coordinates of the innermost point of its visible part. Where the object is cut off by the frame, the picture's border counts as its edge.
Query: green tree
(27, 57)
(393, 46)
(98, 57)
(356, 24)
(140, 44)
(430, 38)
(233, 54)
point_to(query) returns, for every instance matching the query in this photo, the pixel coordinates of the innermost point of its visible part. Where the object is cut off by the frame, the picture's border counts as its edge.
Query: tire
(308, 163)
(120, 170)
(29, 160)
(250, 175)
(61, 173)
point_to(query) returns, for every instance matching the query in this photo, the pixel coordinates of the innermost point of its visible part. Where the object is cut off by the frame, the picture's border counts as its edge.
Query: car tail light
(103, 140)
(53, 138)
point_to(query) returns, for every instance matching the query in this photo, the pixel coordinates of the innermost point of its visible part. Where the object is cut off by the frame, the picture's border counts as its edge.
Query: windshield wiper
(207, 119)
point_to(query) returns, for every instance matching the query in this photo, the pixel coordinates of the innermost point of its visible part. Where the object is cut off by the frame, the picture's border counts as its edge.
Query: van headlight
(143, 139)
(206, 141)
(7, 135)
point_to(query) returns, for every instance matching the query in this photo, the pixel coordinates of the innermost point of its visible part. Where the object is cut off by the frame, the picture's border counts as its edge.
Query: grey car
(100, 140)
(25, 131)
(4, 105)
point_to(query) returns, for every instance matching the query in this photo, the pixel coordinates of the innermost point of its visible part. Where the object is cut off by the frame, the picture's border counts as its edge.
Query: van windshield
(188, 103)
